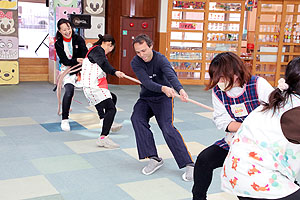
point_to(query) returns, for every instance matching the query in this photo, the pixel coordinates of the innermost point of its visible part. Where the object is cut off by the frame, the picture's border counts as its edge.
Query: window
(33, 30)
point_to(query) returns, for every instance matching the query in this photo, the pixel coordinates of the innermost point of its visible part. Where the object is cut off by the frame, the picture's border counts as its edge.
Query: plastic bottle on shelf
(265, 28)
(289, 38)
(275, 38)
(223, 37)
(298, 38)
(285, 38)
(264, 39)
(267, 38)
(272, 38)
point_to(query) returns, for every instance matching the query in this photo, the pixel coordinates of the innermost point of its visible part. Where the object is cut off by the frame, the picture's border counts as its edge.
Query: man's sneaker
(188, 174)
(115, 127)
(106, 142)
(65, 126)
(152, 166)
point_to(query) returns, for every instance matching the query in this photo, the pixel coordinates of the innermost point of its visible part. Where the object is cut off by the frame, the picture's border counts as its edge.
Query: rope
(178, 96)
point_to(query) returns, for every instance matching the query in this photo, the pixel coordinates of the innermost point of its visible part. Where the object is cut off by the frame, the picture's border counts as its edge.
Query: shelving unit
(277, 38)
(198, 30)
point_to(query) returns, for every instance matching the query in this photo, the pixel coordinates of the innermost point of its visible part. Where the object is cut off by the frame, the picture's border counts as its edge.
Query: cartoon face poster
(65, 3)
(94, 7)
(9, 48)
(9, 23)
(9, 4)
(97, 27)
(9, 72)
(62, 12)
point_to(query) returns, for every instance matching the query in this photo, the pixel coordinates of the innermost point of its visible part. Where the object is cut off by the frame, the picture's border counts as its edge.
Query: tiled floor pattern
(40, 162)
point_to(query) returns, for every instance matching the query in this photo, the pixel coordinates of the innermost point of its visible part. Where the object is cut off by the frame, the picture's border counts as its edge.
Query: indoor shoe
(106, 142)
(65, 126)
(115, 127)
(152, 166)
(188, 174)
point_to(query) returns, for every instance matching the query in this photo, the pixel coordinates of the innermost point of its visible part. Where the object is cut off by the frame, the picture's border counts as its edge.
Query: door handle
(124, 52)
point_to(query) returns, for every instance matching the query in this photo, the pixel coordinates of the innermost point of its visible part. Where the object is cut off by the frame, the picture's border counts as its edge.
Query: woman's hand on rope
(120, 74)
(80, 60)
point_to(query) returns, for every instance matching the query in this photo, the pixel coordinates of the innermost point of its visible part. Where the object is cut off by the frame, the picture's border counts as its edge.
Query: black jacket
(79, 50)
(97, 55)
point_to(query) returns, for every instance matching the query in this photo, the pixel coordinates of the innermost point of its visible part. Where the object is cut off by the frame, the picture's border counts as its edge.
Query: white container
(270, 58)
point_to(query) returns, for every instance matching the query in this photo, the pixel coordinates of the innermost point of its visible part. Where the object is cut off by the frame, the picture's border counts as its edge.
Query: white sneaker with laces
(188, 174)
(153, 165)
(106, 142)
(115, 127)
(65, 126)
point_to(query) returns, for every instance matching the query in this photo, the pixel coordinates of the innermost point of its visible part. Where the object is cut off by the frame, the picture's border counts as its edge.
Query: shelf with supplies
(277, 38)
(198, 30)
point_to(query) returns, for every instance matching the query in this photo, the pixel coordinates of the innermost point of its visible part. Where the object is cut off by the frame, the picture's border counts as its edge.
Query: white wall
(163, 16)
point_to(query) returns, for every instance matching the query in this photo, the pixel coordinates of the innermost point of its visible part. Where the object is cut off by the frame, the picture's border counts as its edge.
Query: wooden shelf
(206, 22)
(290, 48)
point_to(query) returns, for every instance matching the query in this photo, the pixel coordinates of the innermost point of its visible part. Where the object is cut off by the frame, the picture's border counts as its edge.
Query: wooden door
(130, 28)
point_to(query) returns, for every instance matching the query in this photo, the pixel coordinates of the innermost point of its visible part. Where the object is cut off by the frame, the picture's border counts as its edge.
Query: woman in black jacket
(71, 50)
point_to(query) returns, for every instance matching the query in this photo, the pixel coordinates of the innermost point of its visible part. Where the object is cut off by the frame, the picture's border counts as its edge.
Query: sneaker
(152, 166)
(188, 174)
(115, 127)
(65, 126)
(106, 142)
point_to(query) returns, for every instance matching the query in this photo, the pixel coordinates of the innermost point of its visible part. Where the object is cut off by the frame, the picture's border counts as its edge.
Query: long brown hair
(279, 98)
(227, 65)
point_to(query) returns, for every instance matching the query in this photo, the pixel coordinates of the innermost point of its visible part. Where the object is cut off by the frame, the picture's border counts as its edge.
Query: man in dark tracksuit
(156, 99)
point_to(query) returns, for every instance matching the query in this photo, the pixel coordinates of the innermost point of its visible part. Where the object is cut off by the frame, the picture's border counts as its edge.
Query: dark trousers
(107, 110)
(67, 99)
(209, 159)
(101, 112)
(162, 108)
(293, 196)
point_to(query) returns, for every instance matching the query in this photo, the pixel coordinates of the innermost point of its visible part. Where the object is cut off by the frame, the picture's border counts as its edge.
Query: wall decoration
(94, 7)
(65, 3)
(9, 48)
(62, 12)
(9, 4)
(189, 4)
(98, 27)
(8, 23)
(9, 72)
(52, 52)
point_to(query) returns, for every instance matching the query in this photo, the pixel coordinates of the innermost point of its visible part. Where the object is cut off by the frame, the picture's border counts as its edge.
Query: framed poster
(9, 72)
(94, 7)
(9, 48)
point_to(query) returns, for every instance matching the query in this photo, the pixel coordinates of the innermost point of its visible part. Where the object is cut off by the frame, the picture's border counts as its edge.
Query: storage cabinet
(198, 30)
(277, 38)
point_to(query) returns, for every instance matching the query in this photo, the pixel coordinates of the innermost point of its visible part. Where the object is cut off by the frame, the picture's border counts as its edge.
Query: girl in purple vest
(235, 93)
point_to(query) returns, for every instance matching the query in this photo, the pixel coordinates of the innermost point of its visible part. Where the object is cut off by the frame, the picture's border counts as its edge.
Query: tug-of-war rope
(177, 95)
(59, 82)
(74, 69)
